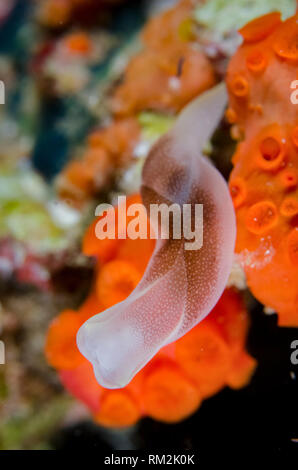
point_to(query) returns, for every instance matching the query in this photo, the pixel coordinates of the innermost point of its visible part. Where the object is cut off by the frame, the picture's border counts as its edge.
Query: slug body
(180, 285)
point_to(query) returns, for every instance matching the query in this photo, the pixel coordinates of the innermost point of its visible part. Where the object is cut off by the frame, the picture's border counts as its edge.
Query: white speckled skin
(179, 287)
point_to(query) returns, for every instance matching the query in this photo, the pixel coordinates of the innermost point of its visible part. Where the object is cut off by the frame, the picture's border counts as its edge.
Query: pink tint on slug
(179, 287)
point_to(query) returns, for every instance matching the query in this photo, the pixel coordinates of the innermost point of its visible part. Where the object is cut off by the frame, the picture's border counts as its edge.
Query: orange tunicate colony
(168, 73)
(174, 383)
(108, 149)
(59, 13)
(264, 182)
(54, 13)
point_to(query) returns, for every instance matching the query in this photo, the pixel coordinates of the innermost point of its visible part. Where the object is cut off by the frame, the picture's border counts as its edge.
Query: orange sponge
(264, 183)
(180, 376)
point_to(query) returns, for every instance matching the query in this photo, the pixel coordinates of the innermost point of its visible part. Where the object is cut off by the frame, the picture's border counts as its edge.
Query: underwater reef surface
(264, 179)
(181, 375)
(80, 90)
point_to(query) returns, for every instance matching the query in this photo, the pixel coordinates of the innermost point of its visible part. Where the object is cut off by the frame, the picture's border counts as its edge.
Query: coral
(179, 70)
(182, 55)
(31, 409)
(57, 14)
(174, 383)
(264, 181)
(33, 227)
(108, 149)
(170, 60)
(63, 67)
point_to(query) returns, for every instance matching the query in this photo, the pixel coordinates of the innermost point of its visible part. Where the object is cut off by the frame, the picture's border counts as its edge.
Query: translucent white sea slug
(180, 286)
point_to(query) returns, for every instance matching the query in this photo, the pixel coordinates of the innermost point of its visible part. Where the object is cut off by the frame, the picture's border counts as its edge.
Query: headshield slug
(180, 285)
